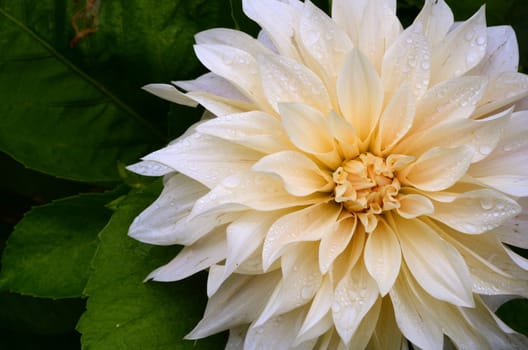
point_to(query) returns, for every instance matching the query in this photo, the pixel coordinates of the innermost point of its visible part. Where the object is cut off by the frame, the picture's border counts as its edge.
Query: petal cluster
(353, 183)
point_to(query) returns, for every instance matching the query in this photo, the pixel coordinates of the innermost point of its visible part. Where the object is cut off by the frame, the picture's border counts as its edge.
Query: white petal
(502, 52)
(514, 185)
(383, 256)
(319, 310)
(414, 205)
(205, 252)
(301, 280)
(335, 242)
(237, 302)
(462, 49)
(513, 230)
(236, 338)
(245, 235)
(149, 168)
(309, 224)
(407, 61)
(413, 321)
(435, 19)
(438, 168)
(235, 65)
(285, 80)
(477, 211)
(379, 28)
(396, 120)
(170, 93)
(277, 19)
(256, 130)
(436, 264)
(347, 14)
(301, 176)
(360, 93)
(205, 158)
(231, 37)
(220, 106)
(453, 99)
(364, 332)
(354, 295)
(324, 44)
(214, 84)
(504, 89)
(251, 190)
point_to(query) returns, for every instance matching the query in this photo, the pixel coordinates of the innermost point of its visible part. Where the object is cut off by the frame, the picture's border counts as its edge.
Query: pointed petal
(257, 130)
(462, 49)
(434, 263)
(149, 168)
(347, 14)
(301, 176)
(220, 106)
(232, 37)
(364, 332)
(335, 242)
(396, 120)
(237, 302)
(170, 93)
(309, 224)
(438, 168)
(205, 158)
(360, 93)
(285, 80)
(476, 211)
(407, 61)
(345, 135)
(414, 205)
(214, 84)
(503, 90)
(383, 256)
(435, 19)
(502, 52)
(319, 309)
(205, 252)
(354, 296)
(513, 230)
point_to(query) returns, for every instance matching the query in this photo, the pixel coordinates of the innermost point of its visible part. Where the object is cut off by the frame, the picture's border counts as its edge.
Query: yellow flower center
(367, 186)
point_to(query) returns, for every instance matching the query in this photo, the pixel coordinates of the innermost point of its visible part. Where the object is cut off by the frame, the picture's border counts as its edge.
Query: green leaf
(125, 313)
(49, 252)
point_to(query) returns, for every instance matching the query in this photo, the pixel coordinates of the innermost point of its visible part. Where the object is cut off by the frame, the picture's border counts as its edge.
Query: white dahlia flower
(354, 184)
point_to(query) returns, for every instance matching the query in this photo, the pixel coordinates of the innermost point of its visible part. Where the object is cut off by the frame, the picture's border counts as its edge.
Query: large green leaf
(49, 252)
(125, 313)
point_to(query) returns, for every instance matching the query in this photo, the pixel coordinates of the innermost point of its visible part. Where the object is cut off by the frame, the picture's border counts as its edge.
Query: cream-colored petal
(354, 296)
(243, 296)
(150, 168)
(319, 310)
(413, 320)
(387, 335)
(513, 231)
(301, 176)
(324, 44)
(220, 106)
(345, 135)
(383, 256)
(257, 130)
(360, 93)
(347, 14)
(285, 80)
(235, 65)
(503, 90)
(476, 211)
(438, 168)
(514, 185)
(379, 28)
(435, 264)
(232, 37)
(170, 93)
(435, 19)
(453, 99)
(277, 333)
(193, 258)
(300, 282)
(245, 236)
(309, 224)
(502, 52)
(214, 84)
(205, 158)
(396, 120)
(462, 49)
(251, 190)
(277, 18)
(335, 242)
(414, 205)
(407, 61)
(308, 129)
(365, 331)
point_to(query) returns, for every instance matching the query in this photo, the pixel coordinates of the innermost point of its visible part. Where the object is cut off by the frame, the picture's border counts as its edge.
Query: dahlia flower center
(366, 185)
